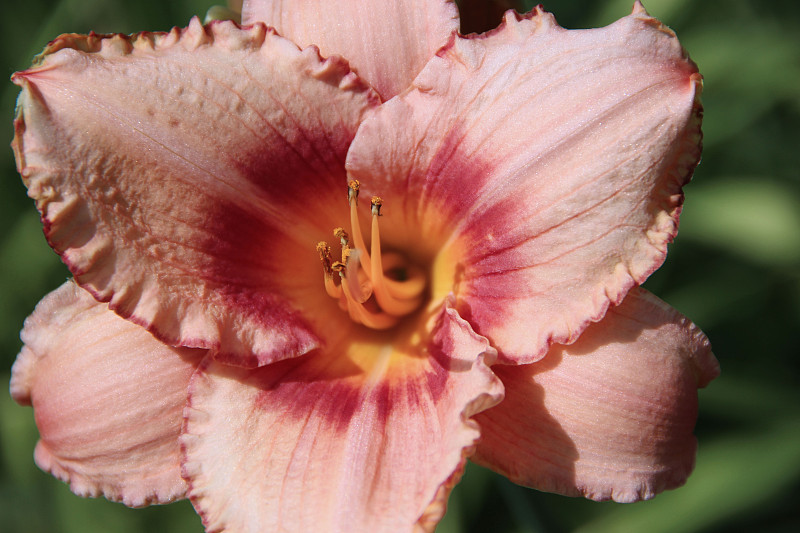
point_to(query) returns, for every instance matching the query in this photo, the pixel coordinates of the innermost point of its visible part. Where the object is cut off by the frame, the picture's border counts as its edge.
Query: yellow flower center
(376, 288)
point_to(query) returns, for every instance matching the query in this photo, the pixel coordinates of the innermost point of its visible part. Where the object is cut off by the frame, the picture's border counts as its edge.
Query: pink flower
(530, 179)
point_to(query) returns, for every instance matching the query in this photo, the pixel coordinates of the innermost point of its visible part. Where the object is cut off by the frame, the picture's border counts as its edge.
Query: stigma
(376, 289)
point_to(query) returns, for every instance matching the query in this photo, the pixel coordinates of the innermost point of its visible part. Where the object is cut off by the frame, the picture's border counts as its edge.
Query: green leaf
(756, 218)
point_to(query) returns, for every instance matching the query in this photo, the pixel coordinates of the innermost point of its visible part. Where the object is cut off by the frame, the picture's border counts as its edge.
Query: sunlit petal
(609, 417)
(386, 41)
(367, 440)
(108, 399)
(170, 170)
(554, 159)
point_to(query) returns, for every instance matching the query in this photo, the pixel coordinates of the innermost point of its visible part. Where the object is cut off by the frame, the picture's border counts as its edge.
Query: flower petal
(554, 158)
(387, 41)
(609, 417)
(338, 442)
(168, 169)
(107, 398)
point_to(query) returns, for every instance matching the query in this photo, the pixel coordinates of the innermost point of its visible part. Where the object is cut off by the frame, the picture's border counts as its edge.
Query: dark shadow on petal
(520, 439)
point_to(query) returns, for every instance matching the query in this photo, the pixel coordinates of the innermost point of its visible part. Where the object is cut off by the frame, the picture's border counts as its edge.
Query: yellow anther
(346, 251)
(342, 235)
(377, 202)
(331, 288)
(324, 255)
(352, 191)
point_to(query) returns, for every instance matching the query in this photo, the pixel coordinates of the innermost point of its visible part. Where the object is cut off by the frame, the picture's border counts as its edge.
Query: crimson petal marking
(387, 41)
(107, 398)
(555, 158)
(610, 416)
(171, 169)
(318, 443)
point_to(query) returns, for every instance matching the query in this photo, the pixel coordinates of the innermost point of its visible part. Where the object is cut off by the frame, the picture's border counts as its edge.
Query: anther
(377, 202)
(331, 288)
(325, 256)
(342, 235)
(346, 251)
(352, 191)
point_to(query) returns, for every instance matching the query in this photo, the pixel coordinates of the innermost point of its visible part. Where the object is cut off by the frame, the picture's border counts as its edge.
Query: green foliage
(735, 269)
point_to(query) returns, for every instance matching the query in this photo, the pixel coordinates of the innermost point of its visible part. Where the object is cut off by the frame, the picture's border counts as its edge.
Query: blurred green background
(734, 269)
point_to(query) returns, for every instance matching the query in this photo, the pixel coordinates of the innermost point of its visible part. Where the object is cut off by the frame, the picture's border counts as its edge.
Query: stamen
(341, 234)
(413, 282)
(333, 290)
(364, 290)
(385, 299)
(352, 191)
(324, 251)
(363, 315)
(359, 289)
(402, 290)
(355, 226)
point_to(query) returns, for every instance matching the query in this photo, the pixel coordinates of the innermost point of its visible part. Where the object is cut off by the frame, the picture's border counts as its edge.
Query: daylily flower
(304, 285)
